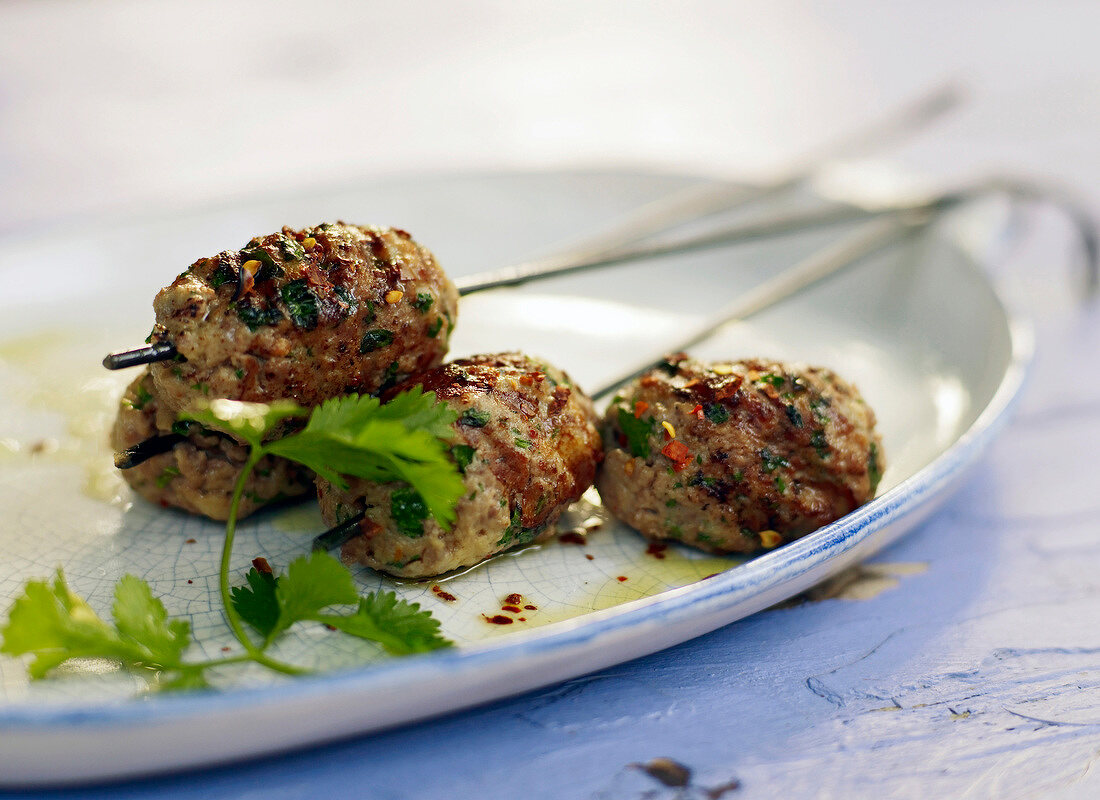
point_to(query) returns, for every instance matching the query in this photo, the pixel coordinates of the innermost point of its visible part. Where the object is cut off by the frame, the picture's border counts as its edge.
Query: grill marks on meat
(533, 449)
(198, 474)
(774, 451)
(329, 311)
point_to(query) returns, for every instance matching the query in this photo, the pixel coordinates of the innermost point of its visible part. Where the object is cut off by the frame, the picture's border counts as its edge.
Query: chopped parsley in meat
(409, 511)
(637, 431)
(301, 302)
(375, 339)
(255, 317)
(473, 418)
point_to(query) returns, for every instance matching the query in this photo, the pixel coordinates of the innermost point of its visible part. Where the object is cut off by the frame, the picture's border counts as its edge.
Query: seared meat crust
(198, 475)
(527, 442)
(760, 453)
(305, 315)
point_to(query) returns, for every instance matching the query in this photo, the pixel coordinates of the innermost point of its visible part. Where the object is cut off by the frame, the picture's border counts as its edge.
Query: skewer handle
(142, 355)
(143, 451)
(335, 537)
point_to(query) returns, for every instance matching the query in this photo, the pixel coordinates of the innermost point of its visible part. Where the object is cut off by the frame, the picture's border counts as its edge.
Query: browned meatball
(199, 473)
(731, 457)
(527, 444)
(305, 315)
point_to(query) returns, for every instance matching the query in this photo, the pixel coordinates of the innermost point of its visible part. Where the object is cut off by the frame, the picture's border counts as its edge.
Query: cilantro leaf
(51, 623)
(256, 602)
(418, 410)
(141, 619)
(637, 431)
(312, 583)
(250, 422)
(399, 441)
(399, 626)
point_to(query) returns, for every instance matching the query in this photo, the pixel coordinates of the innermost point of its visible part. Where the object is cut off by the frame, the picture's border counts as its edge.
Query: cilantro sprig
(406, 440)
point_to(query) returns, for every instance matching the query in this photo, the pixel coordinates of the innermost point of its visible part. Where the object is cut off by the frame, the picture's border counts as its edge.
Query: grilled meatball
(305, 315)
(527, 444)
(754, 453)
(199, 473)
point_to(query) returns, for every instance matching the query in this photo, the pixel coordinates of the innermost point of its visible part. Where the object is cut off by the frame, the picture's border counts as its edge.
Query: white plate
(919, 329)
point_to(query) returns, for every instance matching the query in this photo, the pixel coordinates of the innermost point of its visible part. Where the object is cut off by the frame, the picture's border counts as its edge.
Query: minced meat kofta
(527, 444)
(199, 471)
(735, 457)
(303, 315)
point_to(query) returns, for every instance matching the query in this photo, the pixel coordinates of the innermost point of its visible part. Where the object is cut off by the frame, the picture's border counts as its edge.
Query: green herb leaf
(408, 511)
(250, 422)
(312, 583)
(873, 468)
(255, 317)
(463, 456)
(301, 302)
(375, 339)
(54, 625)
(716, 413)
(256, 602)
(141, 619)
(399, 626)
(637, 432)
(423, 302)
(473, 418)
(354, 435)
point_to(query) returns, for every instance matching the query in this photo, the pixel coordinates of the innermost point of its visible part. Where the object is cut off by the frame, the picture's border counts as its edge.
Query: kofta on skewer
(733, 457)
(527, 443)
(199, 468)
(302, 315)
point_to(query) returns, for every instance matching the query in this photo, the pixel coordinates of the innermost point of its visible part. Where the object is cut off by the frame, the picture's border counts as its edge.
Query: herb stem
(255, 453)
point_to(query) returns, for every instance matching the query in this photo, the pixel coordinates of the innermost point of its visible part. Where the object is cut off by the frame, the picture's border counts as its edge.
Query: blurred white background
(130, 107)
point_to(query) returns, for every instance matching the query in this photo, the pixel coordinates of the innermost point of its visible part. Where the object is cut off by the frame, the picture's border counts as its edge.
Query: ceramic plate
(918, 328)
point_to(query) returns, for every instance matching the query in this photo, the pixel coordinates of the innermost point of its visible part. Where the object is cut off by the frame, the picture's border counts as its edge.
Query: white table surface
(964, 662)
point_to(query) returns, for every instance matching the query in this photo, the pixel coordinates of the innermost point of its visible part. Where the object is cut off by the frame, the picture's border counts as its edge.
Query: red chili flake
(698, 411)
(656, 549)
(589, 557)
(499, 619)
(514, 598)
(621, 578)
(512, 609)
(678, 453)
(572, 537)
(226, 649)
(190, 581)
(442, 595)
(728, 388)
(189, 541)
(640, 408)
(330, 627)
(261, 565)
(532, 608)
(522, 619)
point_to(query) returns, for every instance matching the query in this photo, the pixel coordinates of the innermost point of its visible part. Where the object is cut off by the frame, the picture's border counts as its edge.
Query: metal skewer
(689, 204)
(162, 351)
(868, 239)
(144, 450)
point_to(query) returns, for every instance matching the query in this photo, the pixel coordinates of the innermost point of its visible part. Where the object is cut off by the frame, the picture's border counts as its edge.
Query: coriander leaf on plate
(399, 626)
(54, 625)
(256, 603)
(140, 618)
(312, 583)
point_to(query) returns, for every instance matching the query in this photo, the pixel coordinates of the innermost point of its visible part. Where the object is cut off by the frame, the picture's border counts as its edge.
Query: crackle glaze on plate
(919, 329)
